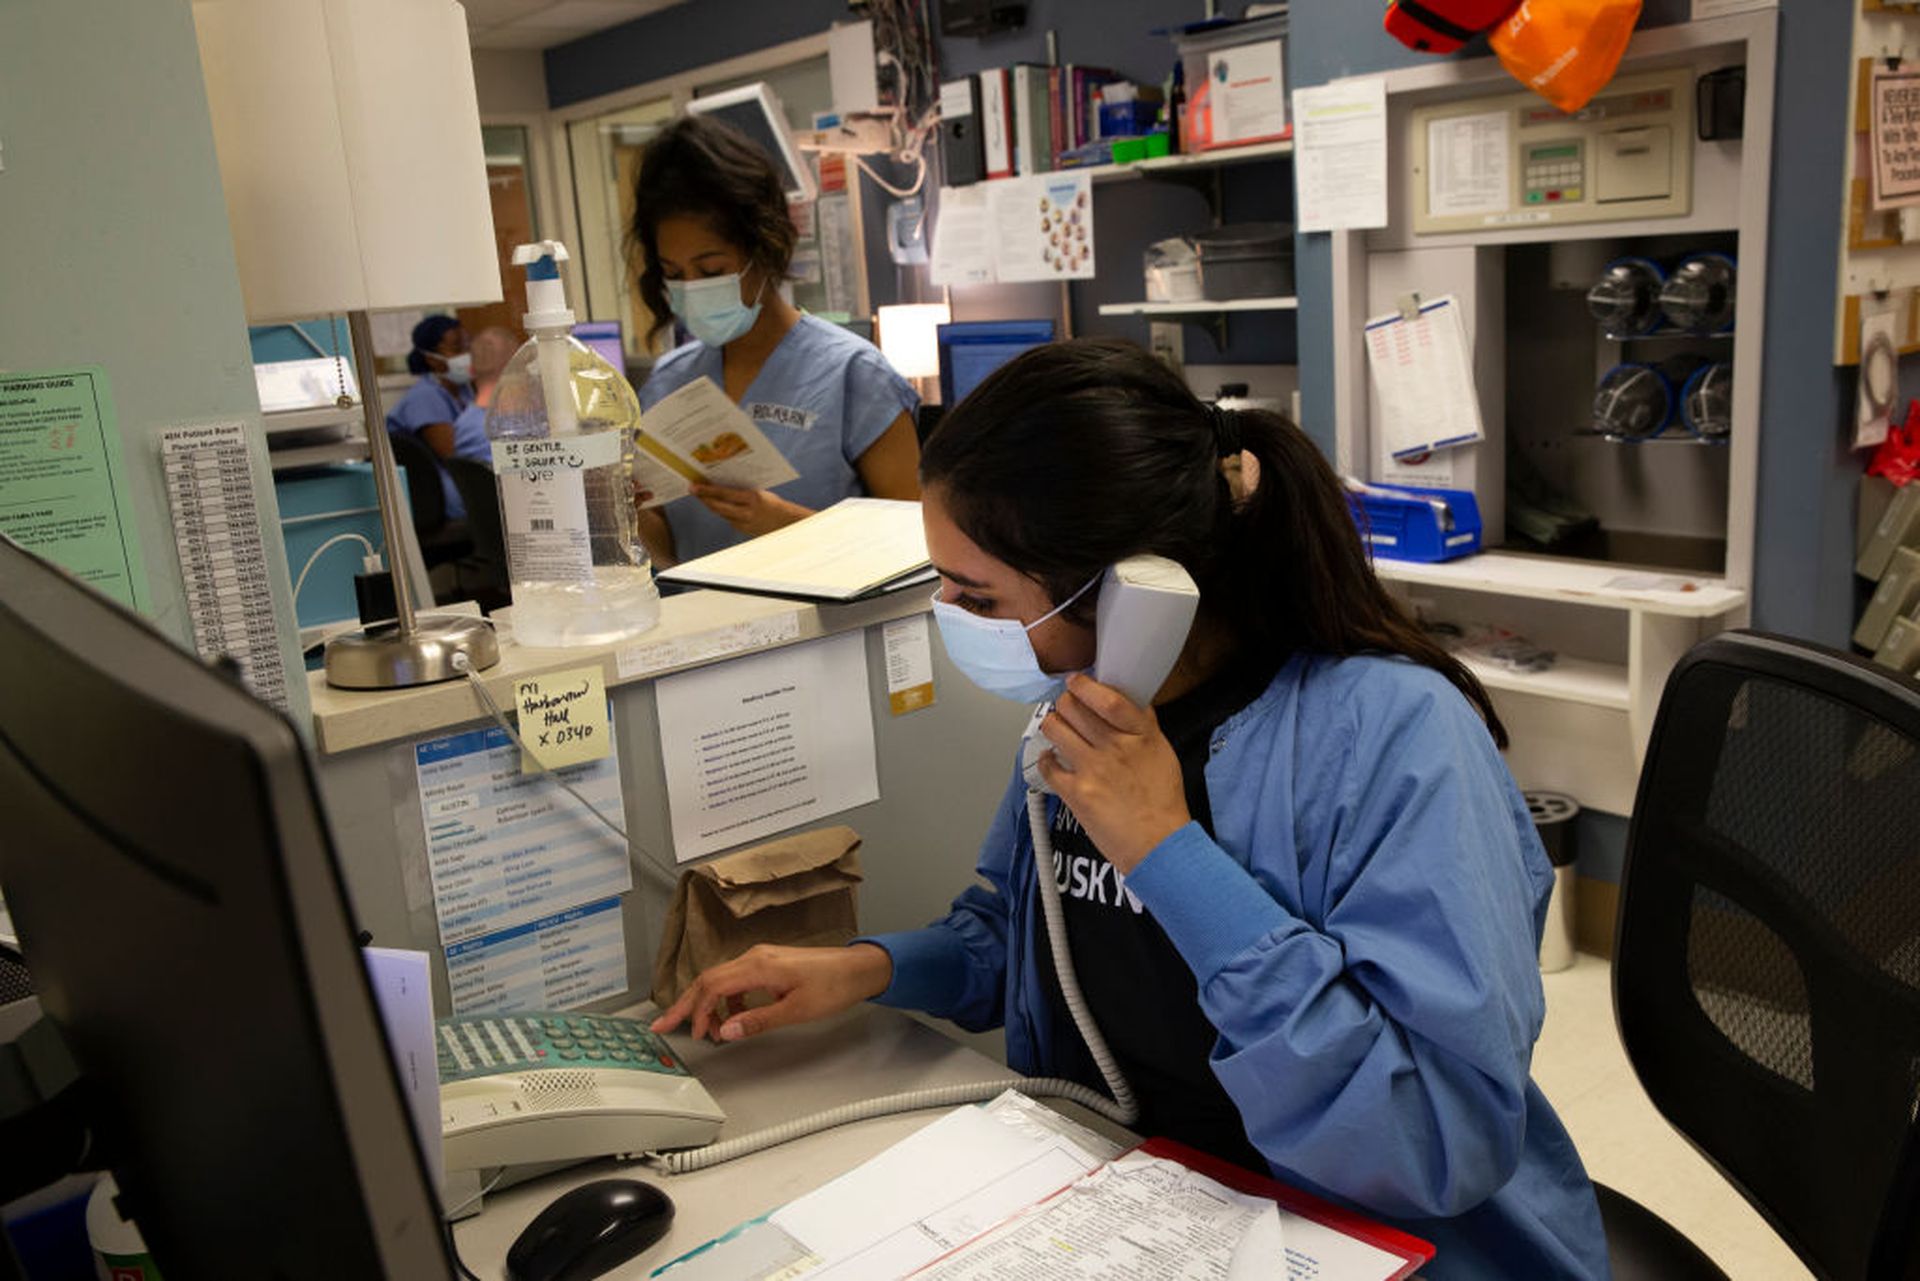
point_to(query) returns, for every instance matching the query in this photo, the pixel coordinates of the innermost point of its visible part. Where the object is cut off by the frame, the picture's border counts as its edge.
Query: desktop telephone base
(549, 1087)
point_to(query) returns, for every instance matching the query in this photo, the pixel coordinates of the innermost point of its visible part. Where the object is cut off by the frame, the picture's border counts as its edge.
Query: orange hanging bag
(1565, 50)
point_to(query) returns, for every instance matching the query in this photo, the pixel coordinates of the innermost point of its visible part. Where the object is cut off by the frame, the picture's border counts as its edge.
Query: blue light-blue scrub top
(823, 397)
(470, 435)
(426, 403)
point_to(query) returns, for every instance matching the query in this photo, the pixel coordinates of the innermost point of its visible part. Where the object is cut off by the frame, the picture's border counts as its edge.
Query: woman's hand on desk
(751, 511)
(805, 982)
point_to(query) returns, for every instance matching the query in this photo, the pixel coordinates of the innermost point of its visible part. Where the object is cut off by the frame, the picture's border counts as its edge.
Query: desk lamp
(348, 134)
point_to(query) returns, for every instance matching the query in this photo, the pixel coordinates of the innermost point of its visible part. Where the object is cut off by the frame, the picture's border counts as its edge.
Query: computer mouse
(590, 1231)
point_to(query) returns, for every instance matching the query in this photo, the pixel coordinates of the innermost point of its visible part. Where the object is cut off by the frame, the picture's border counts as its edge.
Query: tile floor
(1627, 1145)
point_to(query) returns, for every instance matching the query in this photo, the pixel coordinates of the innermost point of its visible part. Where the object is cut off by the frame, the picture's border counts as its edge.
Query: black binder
(963, 157)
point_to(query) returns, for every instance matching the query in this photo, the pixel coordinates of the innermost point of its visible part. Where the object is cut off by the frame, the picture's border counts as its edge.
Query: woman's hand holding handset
(806, 983)
(1122, 779)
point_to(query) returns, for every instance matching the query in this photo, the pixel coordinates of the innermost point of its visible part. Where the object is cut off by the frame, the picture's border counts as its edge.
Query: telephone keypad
(481, 1046)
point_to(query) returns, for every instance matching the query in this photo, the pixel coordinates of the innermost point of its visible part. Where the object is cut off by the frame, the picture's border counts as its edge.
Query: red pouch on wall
(1898, 458)
(1442, 26)
(1565, 50)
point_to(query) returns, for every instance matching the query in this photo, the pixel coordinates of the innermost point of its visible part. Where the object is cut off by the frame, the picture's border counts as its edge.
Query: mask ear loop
(1063, 604)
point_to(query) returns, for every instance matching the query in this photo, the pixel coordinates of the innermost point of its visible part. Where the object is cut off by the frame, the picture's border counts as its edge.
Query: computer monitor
(179, 904)
(755, 111)
(972, 349)
(604, 337)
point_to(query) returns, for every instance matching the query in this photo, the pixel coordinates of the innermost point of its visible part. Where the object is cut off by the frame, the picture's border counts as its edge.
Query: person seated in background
(714, 239)
(492, 348)
(441, 391)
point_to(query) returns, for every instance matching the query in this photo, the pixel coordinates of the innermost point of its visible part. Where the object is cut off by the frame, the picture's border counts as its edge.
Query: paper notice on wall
(1340, 155)
(1896, 137)
(1469, 165)
(1042, 227)
(962, 238)
(1423, 379)
(554, 963)
(909, 658)
(764, 744)
(63, 484)
(505, 848)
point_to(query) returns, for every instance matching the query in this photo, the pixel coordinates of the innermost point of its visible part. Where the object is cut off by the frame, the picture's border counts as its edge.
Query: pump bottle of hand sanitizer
(562, 424)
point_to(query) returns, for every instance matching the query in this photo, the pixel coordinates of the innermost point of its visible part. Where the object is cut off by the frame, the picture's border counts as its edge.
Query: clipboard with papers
(856, 549)
(1421, 358)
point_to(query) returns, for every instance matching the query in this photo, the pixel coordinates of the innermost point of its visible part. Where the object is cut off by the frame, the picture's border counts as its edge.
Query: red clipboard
(1378, 1235)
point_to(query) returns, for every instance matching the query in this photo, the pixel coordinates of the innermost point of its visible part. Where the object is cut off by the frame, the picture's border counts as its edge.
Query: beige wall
(510, 82)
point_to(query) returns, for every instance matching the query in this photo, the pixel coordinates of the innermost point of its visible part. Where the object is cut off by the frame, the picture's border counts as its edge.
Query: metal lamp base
(380, 657)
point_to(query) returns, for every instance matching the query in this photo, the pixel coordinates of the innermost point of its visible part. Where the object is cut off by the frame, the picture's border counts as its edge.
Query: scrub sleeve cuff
(929, 968)
(1210, 906)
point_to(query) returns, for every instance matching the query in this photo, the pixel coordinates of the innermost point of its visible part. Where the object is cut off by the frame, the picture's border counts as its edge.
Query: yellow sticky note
(563, 717)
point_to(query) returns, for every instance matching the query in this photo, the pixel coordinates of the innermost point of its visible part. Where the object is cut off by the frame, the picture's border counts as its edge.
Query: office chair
(441, 540)
(484, 572)
(1766, 969)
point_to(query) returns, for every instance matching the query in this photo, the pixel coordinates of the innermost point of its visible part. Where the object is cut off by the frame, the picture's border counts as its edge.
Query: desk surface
(777, 1077)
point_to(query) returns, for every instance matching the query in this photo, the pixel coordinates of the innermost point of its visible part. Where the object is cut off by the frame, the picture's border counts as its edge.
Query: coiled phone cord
(1122, 1108)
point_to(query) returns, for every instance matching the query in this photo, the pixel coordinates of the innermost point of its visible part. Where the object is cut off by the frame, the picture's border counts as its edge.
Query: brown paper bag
(798, 890)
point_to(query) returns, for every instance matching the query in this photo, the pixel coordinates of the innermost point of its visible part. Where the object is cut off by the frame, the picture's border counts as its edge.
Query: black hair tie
(1226, 430)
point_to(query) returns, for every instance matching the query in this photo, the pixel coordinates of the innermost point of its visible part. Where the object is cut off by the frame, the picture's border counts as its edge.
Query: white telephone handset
(1146, 608)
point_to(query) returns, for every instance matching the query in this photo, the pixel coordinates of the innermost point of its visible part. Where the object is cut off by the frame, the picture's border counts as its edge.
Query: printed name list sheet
(511, 855)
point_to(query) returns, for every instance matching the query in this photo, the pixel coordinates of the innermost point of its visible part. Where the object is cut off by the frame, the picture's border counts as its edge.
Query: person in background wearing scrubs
(443, 389)
(714, 237)
(1303, 895)
(493, 347)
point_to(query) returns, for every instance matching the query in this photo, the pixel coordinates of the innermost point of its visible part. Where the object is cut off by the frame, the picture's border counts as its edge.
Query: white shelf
(1201, 308)
(1573, 680)
(1581, 582)
(1154, 165)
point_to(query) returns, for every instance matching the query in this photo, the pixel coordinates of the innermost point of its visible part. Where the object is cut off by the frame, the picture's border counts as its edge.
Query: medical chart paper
(555, 963)
(505, 848)
(852, 548)
(1423, 379)
(763, 744)
(1139, 1216)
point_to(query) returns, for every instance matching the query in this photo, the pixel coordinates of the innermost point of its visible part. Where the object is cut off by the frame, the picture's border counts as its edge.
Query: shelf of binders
(1200, 308)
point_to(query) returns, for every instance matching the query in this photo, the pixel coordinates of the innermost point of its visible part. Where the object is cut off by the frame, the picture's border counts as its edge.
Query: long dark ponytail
(1079, 454)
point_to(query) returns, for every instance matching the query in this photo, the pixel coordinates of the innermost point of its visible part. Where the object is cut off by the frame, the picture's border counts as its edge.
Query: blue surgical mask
(711, 309)
(996, 653)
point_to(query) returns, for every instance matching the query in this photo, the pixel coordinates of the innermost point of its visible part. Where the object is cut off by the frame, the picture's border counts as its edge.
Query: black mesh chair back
(1767, 957)
(481, 496)
(424, 495)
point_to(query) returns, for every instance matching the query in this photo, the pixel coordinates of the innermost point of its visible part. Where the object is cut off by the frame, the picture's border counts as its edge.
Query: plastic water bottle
(1626, 298)
(1706, 401)
(1699, 296)
(562, 424)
